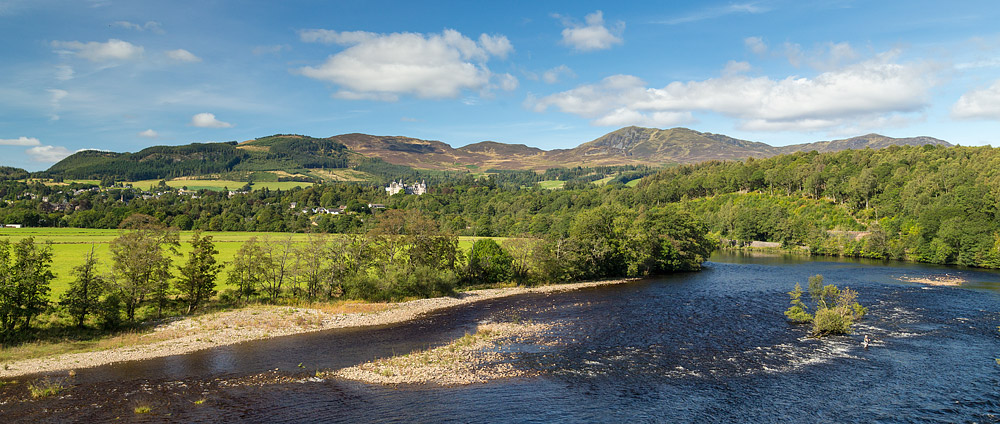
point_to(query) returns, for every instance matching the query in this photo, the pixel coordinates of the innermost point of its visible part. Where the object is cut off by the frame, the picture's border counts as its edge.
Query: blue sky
(123, 75)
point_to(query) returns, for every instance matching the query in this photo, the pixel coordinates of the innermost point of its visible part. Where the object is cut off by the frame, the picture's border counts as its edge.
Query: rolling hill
(357, 155)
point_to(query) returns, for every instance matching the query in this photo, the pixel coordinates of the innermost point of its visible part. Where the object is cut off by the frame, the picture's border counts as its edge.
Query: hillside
(872, 141)
(370, 156)
(626, 146)
(288, 154)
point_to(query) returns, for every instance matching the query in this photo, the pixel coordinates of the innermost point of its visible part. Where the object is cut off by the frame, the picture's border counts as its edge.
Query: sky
(124, 75)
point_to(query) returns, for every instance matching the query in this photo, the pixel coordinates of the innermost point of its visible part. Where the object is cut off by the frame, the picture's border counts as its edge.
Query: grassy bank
(71, 245)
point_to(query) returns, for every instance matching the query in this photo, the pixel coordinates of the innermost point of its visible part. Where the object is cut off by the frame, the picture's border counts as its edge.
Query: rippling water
(706, 346)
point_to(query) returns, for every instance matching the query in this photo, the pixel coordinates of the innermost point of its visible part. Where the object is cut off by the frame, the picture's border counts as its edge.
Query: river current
(705, 346)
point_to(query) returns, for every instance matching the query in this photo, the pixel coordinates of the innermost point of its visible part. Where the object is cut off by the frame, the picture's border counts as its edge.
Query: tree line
(404, 255)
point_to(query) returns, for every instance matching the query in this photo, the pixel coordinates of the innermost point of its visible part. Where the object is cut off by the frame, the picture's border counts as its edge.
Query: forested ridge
(278, 152)
(930, 203)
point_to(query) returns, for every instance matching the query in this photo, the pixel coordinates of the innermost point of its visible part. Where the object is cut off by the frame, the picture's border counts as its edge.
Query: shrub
(797, 312)
(45, 387)
(830, 321)
(110, 311)
(836, 310)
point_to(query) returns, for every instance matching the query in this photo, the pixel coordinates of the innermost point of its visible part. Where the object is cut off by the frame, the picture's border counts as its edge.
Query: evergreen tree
(197, 279)
(83, 296)
(797, 312)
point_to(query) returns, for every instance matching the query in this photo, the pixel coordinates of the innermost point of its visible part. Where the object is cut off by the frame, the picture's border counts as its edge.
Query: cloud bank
(874, 90)
(385, 66)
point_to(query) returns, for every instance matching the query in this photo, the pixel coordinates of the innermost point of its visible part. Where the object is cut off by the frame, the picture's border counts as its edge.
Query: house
(12, 226)
(396, 187)
(376, 206)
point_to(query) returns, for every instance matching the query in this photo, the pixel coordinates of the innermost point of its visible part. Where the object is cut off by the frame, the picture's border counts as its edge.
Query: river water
(705, 346)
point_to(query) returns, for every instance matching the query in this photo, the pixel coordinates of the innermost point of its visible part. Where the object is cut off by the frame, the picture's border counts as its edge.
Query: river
(704, 346)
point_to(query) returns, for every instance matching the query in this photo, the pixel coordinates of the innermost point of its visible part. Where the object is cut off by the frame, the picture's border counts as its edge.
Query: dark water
(707, 346)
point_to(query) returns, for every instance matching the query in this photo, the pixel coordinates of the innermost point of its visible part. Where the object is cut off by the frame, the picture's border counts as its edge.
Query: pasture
(71, 245)
(219, 185)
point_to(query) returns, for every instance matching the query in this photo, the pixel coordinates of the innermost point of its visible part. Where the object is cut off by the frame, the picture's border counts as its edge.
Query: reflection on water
(712, 345)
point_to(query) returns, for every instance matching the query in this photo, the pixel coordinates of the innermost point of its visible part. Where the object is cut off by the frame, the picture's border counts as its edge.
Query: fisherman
(865, 343)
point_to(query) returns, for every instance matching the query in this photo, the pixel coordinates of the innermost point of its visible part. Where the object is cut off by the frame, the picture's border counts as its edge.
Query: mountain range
(626, 146)
(291, 154)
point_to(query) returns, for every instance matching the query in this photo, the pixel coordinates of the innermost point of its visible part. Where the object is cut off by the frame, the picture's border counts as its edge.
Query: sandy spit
(938, 280)
(262, 322)
(471, 359)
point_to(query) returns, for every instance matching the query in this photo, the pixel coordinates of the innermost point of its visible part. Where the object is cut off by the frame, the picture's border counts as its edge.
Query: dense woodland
(931, 204)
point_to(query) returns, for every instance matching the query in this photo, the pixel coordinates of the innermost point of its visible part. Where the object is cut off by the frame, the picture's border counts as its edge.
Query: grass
(219, 185)
(87, 343)
(45, 387)
(71, 245)
(551, 184)
(51, 183)
(604, 180)
(143, 409)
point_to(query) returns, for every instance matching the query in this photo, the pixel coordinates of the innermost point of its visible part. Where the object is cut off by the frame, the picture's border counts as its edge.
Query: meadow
(219, 185)
(71, 245)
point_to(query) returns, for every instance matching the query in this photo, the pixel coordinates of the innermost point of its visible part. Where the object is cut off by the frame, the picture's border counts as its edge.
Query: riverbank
(260, 322)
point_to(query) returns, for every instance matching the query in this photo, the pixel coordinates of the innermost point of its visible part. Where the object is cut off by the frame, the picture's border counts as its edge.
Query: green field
(71, 245)
(219, 185)
(551, 184)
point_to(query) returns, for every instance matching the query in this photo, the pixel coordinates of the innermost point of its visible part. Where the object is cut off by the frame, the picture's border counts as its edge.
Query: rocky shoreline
(261, 322)
(474, 358)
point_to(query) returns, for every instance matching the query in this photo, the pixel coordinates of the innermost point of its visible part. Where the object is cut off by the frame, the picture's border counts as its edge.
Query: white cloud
(20, 141)
(733, 67)
(592, 36)
(384, 66)
(496, 45)
(553, 75)
(151, 26)
(756, 45)
(64, 72)
(823, 57)
(48, 154)
(793, 52)
(353, 95)
(207, 120)
(182, 55)
(716, 12)
(149, 134)
(978, 104)
(507, 82)
(55, 101)
(864, 91)
(94, 51)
